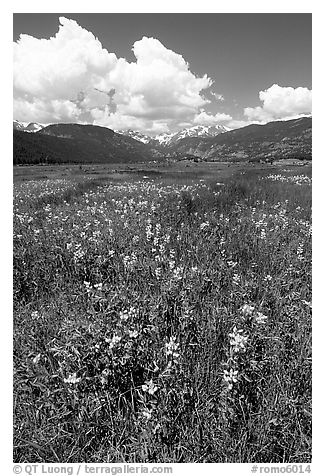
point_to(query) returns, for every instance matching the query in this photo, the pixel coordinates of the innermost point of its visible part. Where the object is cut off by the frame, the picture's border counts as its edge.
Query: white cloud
(206, 119)
(218, 97)
(281, 103)
(238, 123)
(71, 77)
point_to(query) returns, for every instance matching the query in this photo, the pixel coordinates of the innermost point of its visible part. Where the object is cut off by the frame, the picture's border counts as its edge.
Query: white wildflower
(172, 348)
(133, 334)
(238, 340)
(99, 286)
(231, 264)
(72, 379)
(113, 341)
(230, 377)
(204, 225)
(149, 387)
(247, 310)
(36, 359)
(260, 318)
(147, 413)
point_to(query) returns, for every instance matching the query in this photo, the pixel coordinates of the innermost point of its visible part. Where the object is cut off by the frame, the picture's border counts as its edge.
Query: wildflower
(237, 340)
(147, 413)
(98, 286)
(263, 234)
(130, 261)
(36, 359)
(231, 264)
(133, 334)
(97, 346)
(178, 273)
(167, 239)
(300, 251)
(149, 232)
(112, 342)
(247, 310)
(171, 265)
(230, 377)
(128, 313)
(204, 225)
(149, 387)
(158, 272)
(35, 315)
(88, 287)
(79, 253)
(260, 318)
(267, 278)
(156, 428)
(156, 368)
(72, 379)
(104, 377)
(172, 348)
(236, 279)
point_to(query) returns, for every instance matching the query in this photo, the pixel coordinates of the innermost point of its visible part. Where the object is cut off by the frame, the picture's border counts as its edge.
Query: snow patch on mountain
(135, 135)
(195, 131)
(166, 138)
(27, 126)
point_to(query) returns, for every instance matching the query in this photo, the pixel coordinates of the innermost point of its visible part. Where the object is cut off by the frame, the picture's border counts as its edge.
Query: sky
(161, 72)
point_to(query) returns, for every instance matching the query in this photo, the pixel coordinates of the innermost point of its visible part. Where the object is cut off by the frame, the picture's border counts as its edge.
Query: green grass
(125, 293)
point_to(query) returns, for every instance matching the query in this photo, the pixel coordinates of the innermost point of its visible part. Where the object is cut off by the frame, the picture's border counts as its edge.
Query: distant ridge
(78, 143)
(272, 141)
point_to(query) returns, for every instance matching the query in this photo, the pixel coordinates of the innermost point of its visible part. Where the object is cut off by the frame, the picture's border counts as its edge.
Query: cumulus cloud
(70, 77)
(206, 119)
(281, 103)
(218, 97)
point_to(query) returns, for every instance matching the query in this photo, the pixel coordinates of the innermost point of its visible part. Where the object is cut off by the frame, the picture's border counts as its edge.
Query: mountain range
(166, 139)
(77, 143)
(271, 141)
(27, 126)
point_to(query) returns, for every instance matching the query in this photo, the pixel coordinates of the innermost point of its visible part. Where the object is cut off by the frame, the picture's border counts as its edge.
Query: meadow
(162, 315)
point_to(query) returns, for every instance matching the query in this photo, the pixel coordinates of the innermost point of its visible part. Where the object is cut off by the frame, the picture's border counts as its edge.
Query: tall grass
(159, 323)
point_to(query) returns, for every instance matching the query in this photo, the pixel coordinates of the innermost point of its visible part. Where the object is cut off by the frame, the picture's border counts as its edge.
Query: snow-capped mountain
(19, 126)
(195, 131)
(27, 126)
(33, 127)
(136, 135)
(166, 139)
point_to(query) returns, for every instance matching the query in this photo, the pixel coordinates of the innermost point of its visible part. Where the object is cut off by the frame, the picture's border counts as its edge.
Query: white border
(122, 6)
